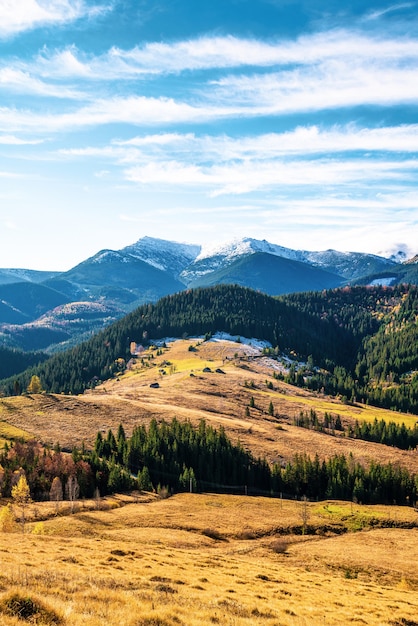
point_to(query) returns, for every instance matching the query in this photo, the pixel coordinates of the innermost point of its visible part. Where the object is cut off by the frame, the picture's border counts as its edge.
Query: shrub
(279, 546)
(15, 604)
(39, 529)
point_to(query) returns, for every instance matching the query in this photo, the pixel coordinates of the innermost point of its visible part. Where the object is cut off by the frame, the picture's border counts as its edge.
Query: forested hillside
(385, 364)
(236, 310)
(181, 457)
(14, 361)
(361, 342)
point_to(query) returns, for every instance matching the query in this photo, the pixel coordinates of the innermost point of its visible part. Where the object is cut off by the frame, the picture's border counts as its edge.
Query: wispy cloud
(136, 110)
(9, 175)
(17, 81)
(332, 85)
(302, 139)
(374, 15)
(335, 70)
(208, 53)
(9, 224)
(225, 165)
(11, 140)
(20, 15)
(252, 176)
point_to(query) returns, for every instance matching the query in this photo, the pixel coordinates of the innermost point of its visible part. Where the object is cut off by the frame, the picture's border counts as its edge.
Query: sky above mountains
(290, 120)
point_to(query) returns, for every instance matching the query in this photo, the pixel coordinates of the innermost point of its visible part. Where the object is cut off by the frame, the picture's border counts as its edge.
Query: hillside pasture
(195, 560)
(221, 398)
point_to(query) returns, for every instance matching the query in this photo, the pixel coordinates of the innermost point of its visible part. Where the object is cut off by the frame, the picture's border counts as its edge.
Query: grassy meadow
(201, 559)
(211, 559)
(187, 392)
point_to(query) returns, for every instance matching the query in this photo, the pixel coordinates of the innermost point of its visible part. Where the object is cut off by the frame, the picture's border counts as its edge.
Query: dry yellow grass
(187, 392)
(194, 560)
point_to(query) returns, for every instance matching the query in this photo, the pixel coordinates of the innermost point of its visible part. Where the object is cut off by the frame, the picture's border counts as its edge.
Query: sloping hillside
(270, 274)
(191, 388)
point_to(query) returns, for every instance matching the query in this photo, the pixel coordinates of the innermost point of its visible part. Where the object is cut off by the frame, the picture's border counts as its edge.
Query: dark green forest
(379, 431)
(384, 325)
(12, 361)
(360, 342)
(179, 457)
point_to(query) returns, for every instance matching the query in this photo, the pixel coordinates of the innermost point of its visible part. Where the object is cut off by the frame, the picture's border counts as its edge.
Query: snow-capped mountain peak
(168, 256)
(235, 248)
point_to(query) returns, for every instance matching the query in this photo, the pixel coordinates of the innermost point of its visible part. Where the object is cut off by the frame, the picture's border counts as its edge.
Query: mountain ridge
(151, 268)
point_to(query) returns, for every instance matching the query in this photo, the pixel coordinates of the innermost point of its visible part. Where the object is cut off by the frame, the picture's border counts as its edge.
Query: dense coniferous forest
(378, 431)
(362, 341)
(14, 361)
(384, 325)
(179, 457)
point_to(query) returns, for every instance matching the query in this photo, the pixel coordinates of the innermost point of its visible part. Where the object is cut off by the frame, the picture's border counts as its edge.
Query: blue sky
(293, 121)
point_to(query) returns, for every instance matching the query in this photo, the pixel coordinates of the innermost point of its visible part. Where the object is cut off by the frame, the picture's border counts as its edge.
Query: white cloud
(374, 15)
(232, 52)
(9, 175)
(11, 140)
(9, 224)
(136, 110)
(18, 81)
(211, 52)
(20, 15)
(337, 84)
(248, 176)
(62, 64)
(303, 139)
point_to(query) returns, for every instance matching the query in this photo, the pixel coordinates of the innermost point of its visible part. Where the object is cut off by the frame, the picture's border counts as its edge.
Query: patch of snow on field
(258, 344)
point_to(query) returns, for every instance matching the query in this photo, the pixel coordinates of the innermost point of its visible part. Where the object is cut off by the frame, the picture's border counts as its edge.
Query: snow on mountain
(110, 256)
(382, 282)
(168, 256)
(231, 250)
(346, 264)
(350, 265)
(213, 258)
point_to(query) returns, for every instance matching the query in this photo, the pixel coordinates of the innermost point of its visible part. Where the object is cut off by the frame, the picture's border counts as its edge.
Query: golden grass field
(210, 559)
(195, 560)
(220, 399)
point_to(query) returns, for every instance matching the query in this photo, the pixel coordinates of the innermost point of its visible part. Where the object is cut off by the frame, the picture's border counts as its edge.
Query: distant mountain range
(54, 310)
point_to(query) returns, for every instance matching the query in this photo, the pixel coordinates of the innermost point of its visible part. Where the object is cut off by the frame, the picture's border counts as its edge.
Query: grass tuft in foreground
(29, 609)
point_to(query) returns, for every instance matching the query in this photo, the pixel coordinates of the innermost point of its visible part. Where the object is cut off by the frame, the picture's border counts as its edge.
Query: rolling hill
(346, 336)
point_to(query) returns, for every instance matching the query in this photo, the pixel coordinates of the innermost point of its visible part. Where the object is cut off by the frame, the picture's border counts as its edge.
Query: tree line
(379, 431)
(382, 369)
(177, 456)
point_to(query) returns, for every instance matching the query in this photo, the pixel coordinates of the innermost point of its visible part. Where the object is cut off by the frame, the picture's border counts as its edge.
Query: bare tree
(97, 497)
(56, 493)
(303, 513)
(73, 490)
